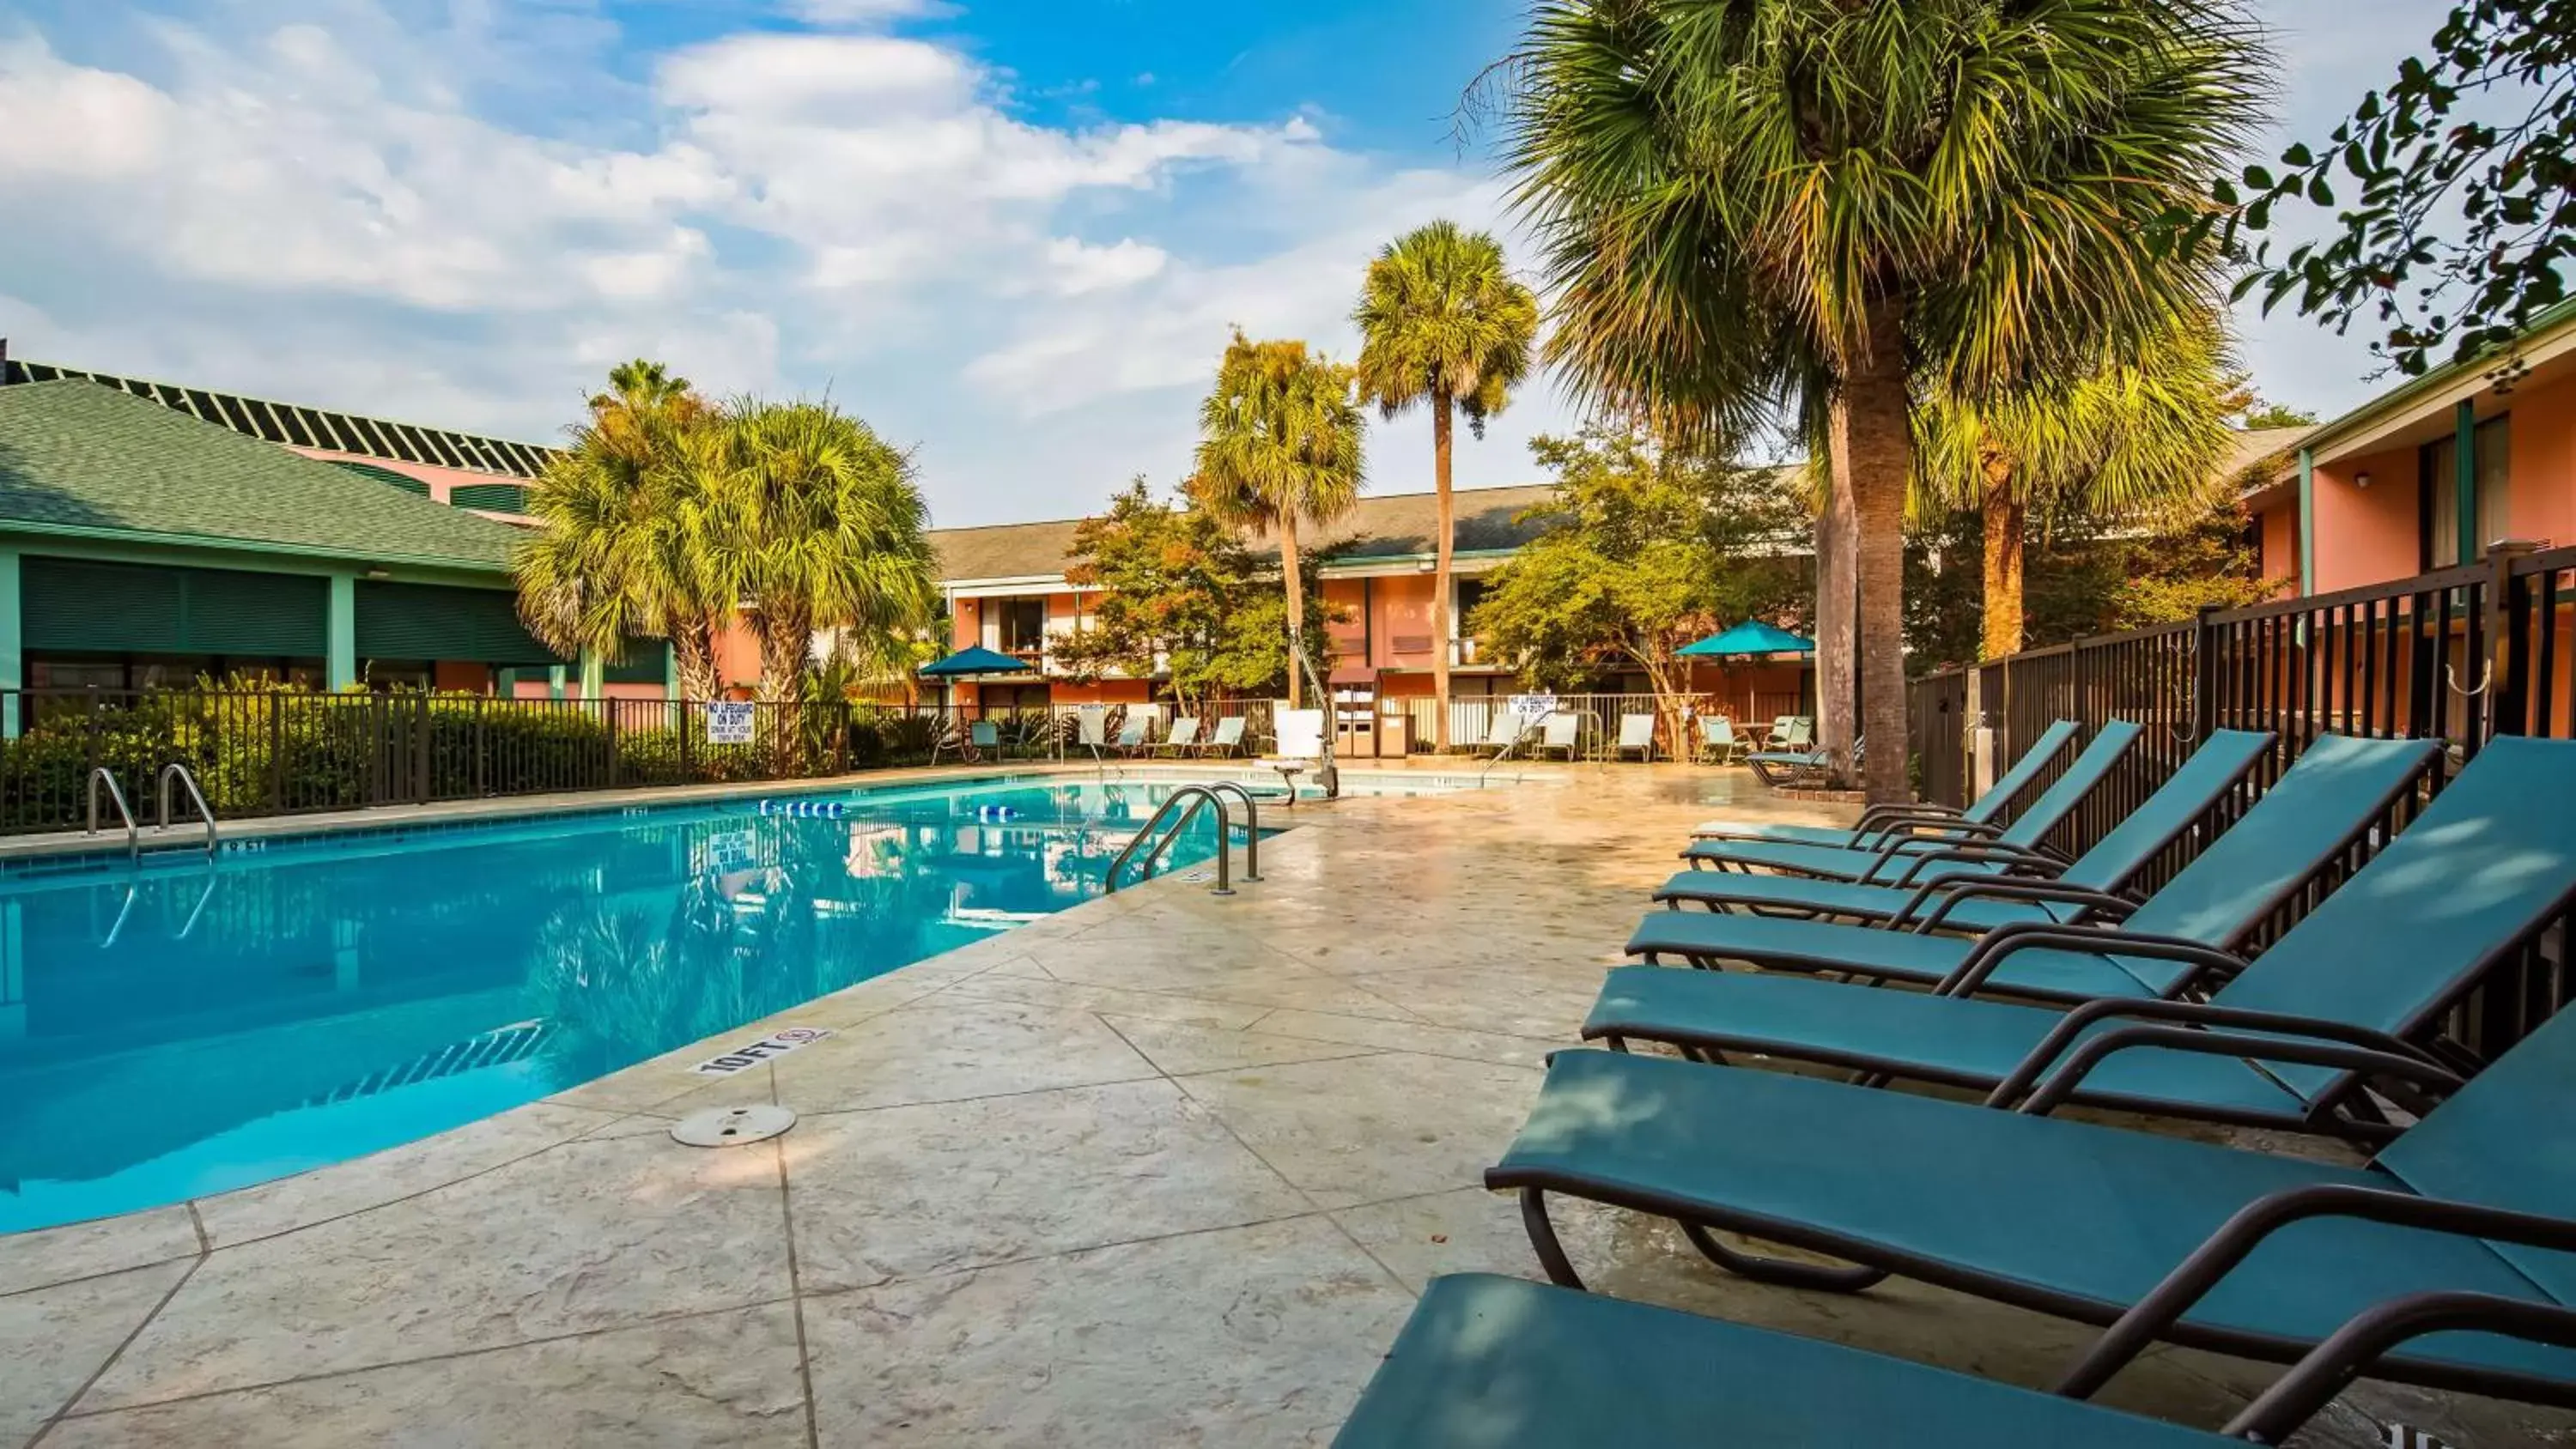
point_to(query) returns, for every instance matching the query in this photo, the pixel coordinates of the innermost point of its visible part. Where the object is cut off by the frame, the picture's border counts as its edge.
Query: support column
(2464, 472)
(555, 682)
(13, 641)
(340, 665)
(2307, 523)
(670, 672)
(594, 674)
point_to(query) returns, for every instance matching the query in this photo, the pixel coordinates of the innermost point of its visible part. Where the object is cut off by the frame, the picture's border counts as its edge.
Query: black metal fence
(284, 752)
(2460, 655)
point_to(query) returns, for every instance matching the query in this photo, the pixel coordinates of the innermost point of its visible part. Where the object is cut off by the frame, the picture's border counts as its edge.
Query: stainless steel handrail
(1251, 825)
(204, 810)
(1197, 797)
(133, 837)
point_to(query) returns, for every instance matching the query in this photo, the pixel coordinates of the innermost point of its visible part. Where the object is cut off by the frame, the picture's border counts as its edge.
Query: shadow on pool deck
(1164, 1168)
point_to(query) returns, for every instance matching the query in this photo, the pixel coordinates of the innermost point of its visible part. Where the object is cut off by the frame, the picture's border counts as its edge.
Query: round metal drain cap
(732, 1126)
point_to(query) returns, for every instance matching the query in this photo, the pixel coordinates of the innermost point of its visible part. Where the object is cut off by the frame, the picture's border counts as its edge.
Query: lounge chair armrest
(2061, 1084)
(1925, 832)
(2218, 1255)
(1993, 948)
(1876, 813)
(2072, 1026)
(2350, 1352)
(1963, 888)
(1986, 851)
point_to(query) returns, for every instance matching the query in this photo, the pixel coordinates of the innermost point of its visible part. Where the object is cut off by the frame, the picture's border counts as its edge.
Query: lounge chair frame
(2156, 1316)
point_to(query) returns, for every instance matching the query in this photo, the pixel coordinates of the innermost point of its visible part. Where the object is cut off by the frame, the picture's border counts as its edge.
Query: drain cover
(732, 1126)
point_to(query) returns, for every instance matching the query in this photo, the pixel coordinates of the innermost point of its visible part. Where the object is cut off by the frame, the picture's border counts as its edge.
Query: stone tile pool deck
(1163, 1169)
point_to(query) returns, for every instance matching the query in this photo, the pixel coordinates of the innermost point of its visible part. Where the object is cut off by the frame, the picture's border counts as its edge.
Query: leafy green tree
(1279, 447)
(2461, 230)
(622, 548)
(819, 526)
(1443, 323)
(2087, 575)
(1841, 203)
(2140, 434)
(1643, 550)
(1180, 592)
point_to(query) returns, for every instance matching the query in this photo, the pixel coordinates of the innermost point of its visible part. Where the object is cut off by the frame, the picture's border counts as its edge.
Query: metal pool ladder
(204, 810)
(1197, 797)
(133, 838)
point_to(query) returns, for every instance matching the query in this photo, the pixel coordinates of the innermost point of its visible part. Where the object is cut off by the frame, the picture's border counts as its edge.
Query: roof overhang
(2425, 409)
(1005, 588)
(197, 542)
(1396, 565)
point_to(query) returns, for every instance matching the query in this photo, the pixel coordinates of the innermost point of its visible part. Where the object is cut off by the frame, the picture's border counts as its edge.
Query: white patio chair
(1636, 732)
(1561, 731)
(1228, 739)
(1184, 737)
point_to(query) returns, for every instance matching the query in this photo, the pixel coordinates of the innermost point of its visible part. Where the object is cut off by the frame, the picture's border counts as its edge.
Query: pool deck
(1162, 1169)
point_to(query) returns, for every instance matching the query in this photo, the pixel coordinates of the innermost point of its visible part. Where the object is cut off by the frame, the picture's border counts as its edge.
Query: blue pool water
(188, 1028)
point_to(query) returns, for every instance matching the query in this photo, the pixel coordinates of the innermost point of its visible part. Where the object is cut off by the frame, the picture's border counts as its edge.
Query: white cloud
(1078, 268)
(865, 12)
(334, 210)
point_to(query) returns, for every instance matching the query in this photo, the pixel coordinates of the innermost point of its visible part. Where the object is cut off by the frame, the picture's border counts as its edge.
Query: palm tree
(2142, 433)
(619, 554)
(1279, 445)
(1442, 322)
(1750, 202)
(820, 526)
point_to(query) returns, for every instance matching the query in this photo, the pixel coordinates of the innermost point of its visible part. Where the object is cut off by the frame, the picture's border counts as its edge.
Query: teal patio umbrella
(978, 660)
(1751, 639)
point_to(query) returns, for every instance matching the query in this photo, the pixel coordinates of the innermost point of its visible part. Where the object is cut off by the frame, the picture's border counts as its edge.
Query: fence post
(2508, 638)
(2204, 675)
(276, 704)
(421, 762)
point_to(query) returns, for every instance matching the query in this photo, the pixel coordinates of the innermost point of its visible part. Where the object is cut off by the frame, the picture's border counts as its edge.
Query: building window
(1023, 626)
(2439, 519)
(1471, 592)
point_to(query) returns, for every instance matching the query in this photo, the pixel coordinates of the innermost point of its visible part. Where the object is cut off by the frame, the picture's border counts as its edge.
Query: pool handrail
(188, 778)
(1197, 797)
(133, 837)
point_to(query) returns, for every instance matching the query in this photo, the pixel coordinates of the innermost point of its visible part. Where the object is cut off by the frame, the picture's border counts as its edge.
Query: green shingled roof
(77, 458)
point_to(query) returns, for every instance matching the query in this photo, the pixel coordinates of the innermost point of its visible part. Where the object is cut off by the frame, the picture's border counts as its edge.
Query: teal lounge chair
(2331, 1007)
(1800, 766)
(2095, 884)
(1887, 859)
(1984, 816)
(2188, 930)
(2215, 1247)
(1488, 1362)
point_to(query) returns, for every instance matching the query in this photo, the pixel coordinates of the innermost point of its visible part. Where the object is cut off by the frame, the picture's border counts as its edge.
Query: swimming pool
(186, 1028)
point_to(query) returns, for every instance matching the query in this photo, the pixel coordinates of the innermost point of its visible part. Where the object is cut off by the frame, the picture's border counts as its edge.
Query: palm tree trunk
(1877, 410)
(786, 641)
(1837, 607)
(1440, 429)
(2003, 524)
(693, 651)
(1296, 607)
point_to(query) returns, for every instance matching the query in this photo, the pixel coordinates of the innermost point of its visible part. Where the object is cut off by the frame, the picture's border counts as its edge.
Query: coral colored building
(1007, 592)
(2391, 489)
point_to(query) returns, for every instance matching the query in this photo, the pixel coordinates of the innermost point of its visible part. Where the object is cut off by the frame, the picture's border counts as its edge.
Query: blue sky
(1011, 233)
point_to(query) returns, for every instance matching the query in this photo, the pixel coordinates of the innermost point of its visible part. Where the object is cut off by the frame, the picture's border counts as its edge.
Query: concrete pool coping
(1159, 1168)
(188, 838)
